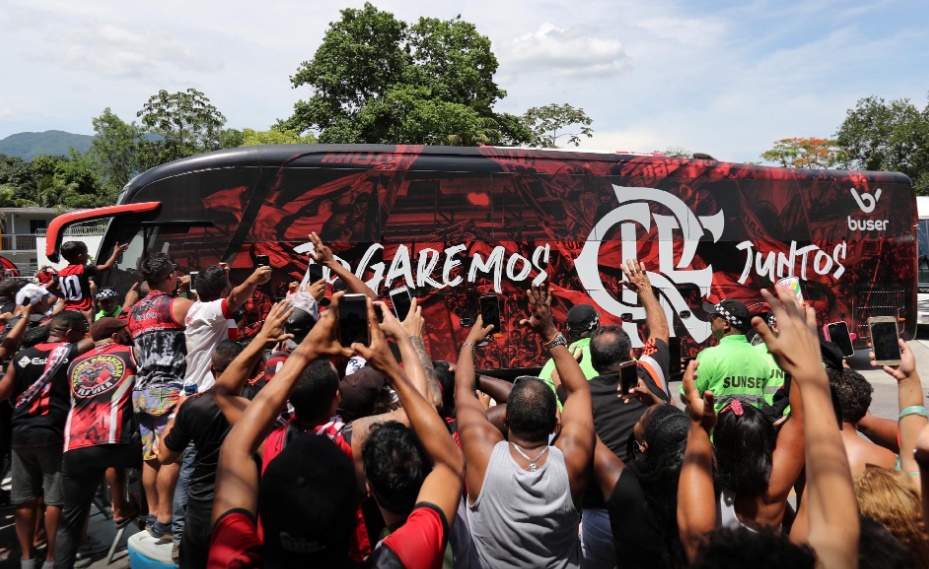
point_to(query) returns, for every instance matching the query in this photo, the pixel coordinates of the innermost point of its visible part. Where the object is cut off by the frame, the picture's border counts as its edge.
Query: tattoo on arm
(420, 346)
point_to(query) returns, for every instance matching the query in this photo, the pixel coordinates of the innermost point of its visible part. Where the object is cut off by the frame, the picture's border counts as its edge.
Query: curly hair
(888, 497)
(851, 394)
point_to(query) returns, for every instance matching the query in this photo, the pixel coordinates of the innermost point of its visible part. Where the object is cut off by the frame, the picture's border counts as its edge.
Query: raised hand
(318, 289)
(636, 276)
(378, 353)
(273, 328)
(907, 366)
(540, 310)
(323, 338)
(414, 323)
(321, 253)
(796, 349)
(262, 275)
(479, 332)
(700, 406)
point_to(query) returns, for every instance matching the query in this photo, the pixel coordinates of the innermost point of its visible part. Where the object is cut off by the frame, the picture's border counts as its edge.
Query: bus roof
(309, 155)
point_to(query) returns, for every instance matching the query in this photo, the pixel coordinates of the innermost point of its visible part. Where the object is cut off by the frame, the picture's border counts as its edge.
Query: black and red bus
(457, 223)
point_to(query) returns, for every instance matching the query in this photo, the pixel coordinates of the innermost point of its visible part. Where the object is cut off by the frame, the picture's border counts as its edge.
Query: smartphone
(791, 284)
(401, 300)
(262, 261)
(353, 320)
(884, 337)
(315, 272)
(490, 311)
(628, 376)
(193, 280)
(837, 333)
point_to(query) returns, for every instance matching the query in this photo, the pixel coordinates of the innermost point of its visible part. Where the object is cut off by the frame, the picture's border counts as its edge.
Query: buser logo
(866, 202)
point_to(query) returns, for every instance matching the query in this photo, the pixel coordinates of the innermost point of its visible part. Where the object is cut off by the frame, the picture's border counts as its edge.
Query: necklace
(532, 461)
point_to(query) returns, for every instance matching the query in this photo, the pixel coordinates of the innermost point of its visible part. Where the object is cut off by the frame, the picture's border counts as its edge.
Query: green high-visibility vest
(733, 370)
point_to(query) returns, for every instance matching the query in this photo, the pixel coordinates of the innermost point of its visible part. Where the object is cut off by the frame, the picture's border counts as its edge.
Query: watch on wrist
(558, 340)
(923, 464)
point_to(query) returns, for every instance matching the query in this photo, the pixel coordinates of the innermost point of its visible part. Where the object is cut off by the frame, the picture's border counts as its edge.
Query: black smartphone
(490, 311)
(193, 280)
(884, 337)
(838, 335)
(353, 320)
(316, 272)
(628, 376)
(401, 300)
(262, 261)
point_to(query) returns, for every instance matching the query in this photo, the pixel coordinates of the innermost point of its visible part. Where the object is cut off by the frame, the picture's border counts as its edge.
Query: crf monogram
(635, 210)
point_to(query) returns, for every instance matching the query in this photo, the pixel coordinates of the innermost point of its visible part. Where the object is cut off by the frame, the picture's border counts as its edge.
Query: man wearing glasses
(37, 382)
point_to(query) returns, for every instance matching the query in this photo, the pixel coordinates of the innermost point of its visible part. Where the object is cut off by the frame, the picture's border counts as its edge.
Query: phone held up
(628, 376)
(884, 340)
(193, 281)
(353, 320)
(401, 301)
(490, 312)
(262, 261)
(837, 333)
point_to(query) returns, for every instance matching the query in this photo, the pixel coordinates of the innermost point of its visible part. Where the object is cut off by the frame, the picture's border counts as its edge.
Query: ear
(643, 446)
(506, 422)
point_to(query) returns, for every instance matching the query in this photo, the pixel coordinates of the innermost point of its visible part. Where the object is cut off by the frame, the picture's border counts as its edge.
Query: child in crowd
(74, 280)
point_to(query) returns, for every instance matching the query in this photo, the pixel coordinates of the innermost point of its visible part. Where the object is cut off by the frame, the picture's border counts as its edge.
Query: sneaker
(161, 532)
(82, 560)
(92, 546)
(150, 521)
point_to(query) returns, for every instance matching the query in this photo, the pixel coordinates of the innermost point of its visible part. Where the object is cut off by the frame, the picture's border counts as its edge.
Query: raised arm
(881, 431)
(788, 457)
(117, 250)
(912, 417)
(414, 325)
(236, 475)
(655, 319)
(12, 339)
(922, 453)
(241, 293)
(323, 255)
(443, 485)
(829, 495)
(696, 504)
(577, 436)
(498, 389)
(478, 435)
(229, 385)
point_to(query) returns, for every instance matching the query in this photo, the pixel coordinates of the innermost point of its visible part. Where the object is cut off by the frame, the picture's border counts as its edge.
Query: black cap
(582, 318)
(735, 313)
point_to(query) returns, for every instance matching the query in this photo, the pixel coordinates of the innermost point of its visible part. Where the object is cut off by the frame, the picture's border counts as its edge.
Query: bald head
(530, 410)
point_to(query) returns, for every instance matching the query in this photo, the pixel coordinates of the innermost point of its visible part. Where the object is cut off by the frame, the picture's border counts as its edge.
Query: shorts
(153, 409)
(36, 472)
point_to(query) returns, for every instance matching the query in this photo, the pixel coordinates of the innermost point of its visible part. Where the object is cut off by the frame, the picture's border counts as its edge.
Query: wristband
(467, 344)
(913, 410)
(558, 340)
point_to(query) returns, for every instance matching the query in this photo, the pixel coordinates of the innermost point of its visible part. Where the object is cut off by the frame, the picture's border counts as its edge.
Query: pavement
(884, 404)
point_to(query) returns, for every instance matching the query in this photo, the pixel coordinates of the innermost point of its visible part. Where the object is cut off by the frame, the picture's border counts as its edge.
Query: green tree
(16, 174)
(120, 150)
(893, 136)
(548, 123)
(67, 183)
(807, 152)
(376, 79)
(187, 123)
(273, 135)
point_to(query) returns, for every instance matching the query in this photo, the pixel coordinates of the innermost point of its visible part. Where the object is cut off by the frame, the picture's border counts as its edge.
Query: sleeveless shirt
(525, 519)
(161, 347)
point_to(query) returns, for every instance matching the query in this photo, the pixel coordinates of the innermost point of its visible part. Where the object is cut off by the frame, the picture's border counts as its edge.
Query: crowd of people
(287, 448)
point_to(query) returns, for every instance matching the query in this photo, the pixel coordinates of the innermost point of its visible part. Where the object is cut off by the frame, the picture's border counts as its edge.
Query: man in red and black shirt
(37, 380)
(99, 431)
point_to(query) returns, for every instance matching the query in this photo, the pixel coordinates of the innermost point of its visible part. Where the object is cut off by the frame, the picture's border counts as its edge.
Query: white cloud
(566, 52)
(114, 51)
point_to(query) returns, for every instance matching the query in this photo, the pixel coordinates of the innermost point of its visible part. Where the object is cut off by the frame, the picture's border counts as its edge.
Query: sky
(727, 78)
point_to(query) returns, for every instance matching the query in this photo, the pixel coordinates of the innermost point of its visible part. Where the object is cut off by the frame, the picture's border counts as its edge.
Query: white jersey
(208, 324)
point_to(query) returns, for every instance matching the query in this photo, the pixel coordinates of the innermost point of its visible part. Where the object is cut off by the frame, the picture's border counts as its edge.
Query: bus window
(922, 235)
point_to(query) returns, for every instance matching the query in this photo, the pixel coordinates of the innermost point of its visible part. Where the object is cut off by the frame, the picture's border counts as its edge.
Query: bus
(922, 261)
(454, 224)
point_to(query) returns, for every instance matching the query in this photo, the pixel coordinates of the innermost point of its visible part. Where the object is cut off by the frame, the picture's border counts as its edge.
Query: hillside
(28, 145)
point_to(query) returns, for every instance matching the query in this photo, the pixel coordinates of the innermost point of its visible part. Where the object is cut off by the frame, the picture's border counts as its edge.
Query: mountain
(28, 145)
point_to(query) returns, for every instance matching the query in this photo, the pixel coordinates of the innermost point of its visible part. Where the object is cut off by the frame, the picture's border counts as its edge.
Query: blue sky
(725, 78)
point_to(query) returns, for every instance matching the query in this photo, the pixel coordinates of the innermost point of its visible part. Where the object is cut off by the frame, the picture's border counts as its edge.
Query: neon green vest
(733, 370)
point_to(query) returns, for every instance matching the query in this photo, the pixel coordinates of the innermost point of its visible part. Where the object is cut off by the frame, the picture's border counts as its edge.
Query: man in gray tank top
(523, 494)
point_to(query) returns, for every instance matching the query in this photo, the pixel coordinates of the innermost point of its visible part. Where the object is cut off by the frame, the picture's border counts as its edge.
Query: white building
(23, 237)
